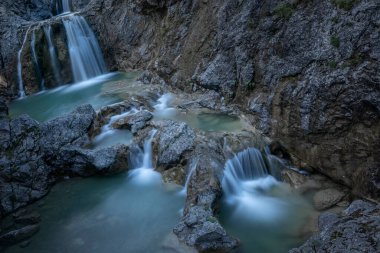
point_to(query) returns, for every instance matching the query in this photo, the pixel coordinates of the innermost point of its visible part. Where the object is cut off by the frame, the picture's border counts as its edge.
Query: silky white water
(36, 63)
(85, 55)
(264, 213)
(54, 63)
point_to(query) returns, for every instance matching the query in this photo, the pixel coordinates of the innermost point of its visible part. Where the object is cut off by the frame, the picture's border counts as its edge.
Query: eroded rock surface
(34, 155)
(356, 230)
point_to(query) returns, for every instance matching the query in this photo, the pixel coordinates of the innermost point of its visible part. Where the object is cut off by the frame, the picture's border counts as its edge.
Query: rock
(173, 140)
(27, 218)
(35, 155)
(327, 198)
(134, 122)
(353, 231)
(18, 235)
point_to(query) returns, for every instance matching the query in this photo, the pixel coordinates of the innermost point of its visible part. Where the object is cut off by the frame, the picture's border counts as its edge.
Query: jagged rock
(134, 122)
(174, 139)
(356, 230)
(34, 155)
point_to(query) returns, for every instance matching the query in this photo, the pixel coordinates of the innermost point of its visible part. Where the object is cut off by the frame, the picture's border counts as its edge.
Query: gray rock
(356, 230)
(174, 139)
(326, 198)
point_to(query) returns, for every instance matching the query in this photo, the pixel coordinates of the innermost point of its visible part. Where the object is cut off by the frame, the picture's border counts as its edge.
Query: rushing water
(110, 136)
(98, 92)
(53, 55)
(85, 55)
(36, 62)
(258, 209)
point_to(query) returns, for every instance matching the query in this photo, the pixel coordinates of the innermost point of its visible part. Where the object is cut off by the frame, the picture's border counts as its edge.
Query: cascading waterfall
(35, 61)
(192, 169)
(141, 161)
(85, 54)
(248, 186)
(162, 109)
(53, 55)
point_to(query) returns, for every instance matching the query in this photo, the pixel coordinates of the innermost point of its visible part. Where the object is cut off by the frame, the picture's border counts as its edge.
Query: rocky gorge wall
(307, 72)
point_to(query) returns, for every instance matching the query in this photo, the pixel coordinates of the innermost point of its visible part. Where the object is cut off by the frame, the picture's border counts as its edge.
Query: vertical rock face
(307, 71)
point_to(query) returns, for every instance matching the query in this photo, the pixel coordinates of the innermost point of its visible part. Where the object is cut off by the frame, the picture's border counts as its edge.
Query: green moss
(284, 11)
(344, 4)
(356, 60)
(334, 41)
(333, 64)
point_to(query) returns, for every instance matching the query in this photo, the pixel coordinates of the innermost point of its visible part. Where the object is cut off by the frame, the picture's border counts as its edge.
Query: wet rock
(199, 226)
(134, 122)
(355, 230)
(27, 218)
(327, 198)
(174, 139)
(35, 155)
(18, 235)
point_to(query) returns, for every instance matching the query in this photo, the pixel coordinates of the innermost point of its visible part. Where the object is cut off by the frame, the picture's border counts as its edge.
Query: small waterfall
(109, 136)
(53, 54)
(62, 6)
(191, 172)
(85, 54)
(21, 89)
(141, 162)
(35, 61)
(246, 165)
(249, 187)
(162, 109)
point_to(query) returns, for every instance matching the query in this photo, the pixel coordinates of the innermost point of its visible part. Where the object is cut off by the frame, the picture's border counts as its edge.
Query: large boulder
(34, 155)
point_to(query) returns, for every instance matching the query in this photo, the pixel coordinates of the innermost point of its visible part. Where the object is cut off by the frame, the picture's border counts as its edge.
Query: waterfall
(162, 109)
(21, 89)
(53, 55)
(62, 6)
(190, 173)
(246, 165)
(110, 136)
(35, 61)
(85, 54)
(249, 187)
(141, 163)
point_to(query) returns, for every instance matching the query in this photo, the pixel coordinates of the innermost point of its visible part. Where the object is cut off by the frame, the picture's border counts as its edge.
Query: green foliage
(334, 41)
(356, 60)
(344, 4)
(285, 11)
(333, 64)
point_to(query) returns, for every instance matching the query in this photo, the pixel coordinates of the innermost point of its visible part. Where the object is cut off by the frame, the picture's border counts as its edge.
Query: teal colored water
(98, 92)
(267, 217)
(110, 214)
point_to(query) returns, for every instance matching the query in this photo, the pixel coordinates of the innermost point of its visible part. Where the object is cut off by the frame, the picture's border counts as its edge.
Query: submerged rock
(18, 235)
